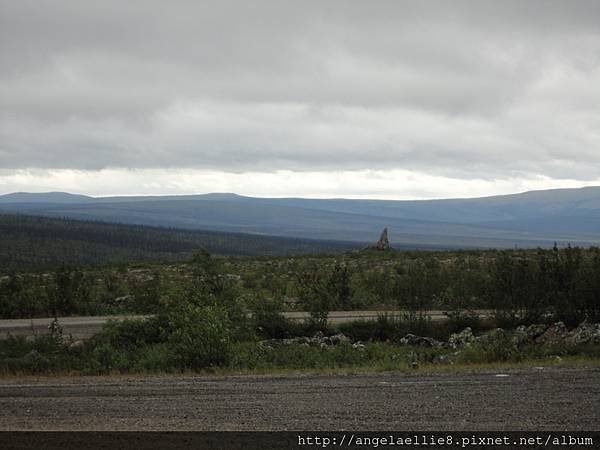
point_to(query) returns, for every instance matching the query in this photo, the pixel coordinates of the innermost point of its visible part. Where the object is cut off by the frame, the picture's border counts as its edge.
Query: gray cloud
(479, 89)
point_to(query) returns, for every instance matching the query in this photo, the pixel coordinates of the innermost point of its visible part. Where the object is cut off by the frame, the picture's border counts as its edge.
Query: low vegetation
(162, 345)
(207, 317)
(520, 286)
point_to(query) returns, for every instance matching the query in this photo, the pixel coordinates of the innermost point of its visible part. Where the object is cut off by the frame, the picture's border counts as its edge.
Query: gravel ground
(531, 399)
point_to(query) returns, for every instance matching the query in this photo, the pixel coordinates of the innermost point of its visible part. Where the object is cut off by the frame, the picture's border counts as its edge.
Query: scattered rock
(448, 358)
(533, 331)
(76, 344)
(318, 335)
(317, 340)
(337, 339)
(420, 341)
(124, 299)
(555, 334)
(537, 333)
(463, 339)
(585, 333)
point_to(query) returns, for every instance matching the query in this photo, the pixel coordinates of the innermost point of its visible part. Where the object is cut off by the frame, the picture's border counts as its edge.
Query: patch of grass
(299, 357)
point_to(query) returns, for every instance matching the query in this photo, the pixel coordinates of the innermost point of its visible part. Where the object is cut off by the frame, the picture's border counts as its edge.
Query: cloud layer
(482, 90)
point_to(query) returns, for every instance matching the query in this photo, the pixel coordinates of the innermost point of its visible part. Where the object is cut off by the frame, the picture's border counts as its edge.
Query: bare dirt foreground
(530, 399)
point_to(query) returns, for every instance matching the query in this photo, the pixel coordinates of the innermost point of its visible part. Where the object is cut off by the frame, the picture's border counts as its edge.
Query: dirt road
(534, 399)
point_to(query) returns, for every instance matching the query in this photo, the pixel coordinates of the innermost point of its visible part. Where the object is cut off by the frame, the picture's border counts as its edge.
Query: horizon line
(324, 197)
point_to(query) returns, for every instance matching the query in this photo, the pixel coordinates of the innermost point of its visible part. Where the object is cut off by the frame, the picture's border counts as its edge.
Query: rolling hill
(34, 242)
(530, 219)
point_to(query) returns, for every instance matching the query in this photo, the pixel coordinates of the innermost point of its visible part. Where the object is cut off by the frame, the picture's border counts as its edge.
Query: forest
(33, 242)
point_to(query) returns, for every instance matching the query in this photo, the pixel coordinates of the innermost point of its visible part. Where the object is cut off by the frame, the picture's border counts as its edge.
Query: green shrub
(131, 334)
(117, 348)
(14, 346)
(268, 321)
(496, 346)
(154, 358)
(105, 359)
(201, 337)
(42, 354)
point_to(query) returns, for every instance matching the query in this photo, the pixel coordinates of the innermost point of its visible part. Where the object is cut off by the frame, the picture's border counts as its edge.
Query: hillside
(529, 219)
(40, 242)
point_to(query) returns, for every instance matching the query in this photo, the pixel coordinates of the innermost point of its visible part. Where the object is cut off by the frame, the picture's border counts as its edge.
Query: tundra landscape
(399, 335)
(267, 224)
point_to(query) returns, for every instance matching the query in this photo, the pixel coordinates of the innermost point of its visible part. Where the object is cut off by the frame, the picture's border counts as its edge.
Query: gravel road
(529, 399)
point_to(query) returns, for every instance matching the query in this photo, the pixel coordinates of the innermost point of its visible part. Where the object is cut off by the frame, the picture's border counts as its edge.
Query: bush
(268, 321)
(43, 354)
(105, 359)
(154, 358)
(130, 335)
(496, 346)
(201, 337)
(119, 346)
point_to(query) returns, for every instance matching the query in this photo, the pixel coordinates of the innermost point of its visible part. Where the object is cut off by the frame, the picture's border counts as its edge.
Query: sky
(381, 99)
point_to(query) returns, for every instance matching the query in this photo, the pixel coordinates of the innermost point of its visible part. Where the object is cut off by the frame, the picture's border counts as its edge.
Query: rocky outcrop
(555, 334)
(383, 243)
(585, 333)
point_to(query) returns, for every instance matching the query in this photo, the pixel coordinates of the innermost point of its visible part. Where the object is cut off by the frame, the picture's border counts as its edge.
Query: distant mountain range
(530, 219)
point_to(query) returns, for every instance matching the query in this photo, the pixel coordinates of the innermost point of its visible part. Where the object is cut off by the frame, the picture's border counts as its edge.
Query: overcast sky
(382, 99)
